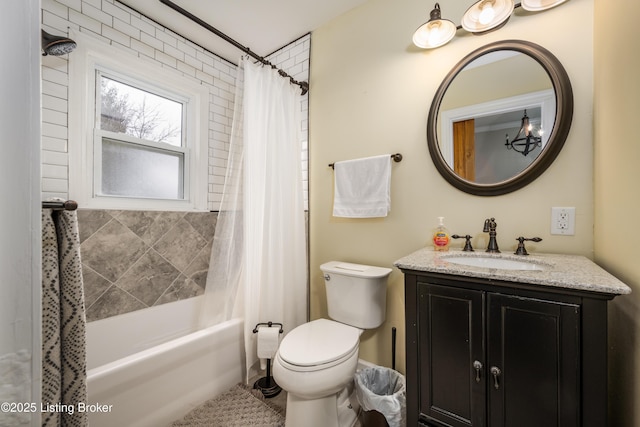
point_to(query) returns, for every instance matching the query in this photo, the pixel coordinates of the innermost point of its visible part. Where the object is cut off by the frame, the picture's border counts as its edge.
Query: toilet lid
(318, 342)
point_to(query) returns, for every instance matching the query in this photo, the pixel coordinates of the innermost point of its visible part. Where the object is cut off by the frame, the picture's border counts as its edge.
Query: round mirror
(500, 117)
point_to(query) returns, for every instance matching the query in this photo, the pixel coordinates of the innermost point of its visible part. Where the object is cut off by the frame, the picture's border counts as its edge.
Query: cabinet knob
(477, 365)
(495, 371)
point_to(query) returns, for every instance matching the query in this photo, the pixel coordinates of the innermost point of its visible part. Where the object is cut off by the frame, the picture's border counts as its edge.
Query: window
(142, 140)
(139, 142)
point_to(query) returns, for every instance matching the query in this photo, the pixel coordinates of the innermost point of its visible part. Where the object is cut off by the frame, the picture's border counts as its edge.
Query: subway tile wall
(120, 25)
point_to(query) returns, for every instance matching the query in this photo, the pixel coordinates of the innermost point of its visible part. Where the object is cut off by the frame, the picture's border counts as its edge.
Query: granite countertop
(563, 271)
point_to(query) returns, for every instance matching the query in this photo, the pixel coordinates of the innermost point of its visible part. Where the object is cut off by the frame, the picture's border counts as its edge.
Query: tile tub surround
(133, 260)
(562, 271)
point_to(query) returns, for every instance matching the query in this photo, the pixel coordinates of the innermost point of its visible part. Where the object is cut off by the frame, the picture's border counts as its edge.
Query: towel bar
(396, 158)
(68, 205)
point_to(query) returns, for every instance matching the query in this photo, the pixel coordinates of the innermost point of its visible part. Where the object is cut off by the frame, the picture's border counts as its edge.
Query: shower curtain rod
(303, 85)
(68, 205)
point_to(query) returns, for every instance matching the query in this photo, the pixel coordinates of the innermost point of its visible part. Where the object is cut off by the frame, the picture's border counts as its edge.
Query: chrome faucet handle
(521, 249)
(467, 244)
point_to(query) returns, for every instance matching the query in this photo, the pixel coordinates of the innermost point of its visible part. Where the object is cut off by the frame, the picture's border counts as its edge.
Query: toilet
(316, 361)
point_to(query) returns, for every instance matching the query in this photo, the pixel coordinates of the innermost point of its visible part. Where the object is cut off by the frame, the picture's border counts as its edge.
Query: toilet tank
(356, 293)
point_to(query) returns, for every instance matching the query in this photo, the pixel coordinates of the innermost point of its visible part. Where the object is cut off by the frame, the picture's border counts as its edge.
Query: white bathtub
(140, 374)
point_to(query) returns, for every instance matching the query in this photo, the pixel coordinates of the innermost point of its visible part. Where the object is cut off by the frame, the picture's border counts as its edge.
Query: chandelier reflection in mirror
(525, 141)
(482, 17)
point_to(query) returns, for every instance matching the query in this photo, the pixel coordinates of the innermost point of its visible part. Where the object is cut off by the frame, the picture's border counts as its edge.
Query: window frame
(100, 134)
(92, 57)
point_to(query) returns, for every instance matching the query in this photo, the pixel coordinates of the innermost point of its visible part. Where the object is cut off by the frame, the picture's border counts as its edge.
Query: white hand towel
(363, 187)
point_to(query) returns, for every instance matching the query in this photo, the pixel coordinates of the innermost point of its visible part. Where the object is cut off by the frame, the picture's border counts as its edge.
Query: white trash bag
(384, 390)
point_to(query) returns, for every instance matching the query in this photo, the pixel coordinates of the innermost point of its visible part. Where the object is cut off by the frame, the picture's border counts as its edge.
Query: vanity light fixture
(435, 32)
(481, 18)
(525, 141)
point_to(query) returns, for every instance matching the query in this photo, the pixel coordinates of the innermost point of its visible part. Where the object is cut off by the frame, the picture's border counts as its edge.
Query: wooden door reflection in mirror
(464, 151)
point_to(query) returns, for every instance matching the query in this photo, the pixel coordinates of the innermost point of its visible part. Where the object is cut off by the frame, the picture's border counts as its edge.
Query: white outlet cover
(563, 221)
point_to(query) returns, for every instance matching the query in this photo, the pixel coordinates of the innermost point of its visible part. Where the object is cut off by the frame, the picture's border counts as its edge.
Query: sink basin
(494, 262)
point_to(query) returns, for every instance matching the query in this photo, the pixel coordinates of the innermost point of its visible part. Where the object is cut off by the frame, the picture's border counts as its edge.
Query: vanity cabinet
(491, 353)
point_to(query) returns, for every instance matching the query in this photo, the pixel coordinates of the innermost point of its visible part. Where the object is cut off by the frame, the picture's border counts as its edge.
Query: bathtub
(151, 367)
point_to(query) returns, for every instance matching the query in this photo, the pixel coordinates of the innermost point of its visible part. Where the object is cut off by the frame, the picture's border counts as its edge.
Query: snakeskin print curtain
(63, 322)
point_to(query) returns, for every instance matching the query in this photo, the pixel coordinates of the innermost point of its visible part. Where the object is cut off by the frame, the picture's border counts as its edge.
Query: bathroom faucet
(490, 227)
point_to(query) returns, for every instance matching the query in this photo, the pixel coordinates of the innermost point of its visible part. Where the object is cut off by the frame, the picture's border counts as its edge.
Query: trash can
(381, 393)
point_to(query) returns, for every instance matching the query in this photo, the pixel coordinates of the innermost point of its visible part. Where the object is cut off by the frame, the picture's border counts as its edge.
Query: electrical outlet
(563, 221)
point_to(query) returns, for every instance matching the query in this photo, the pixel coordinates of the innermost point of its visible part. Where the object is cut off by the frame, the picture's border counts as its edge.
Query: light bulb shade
(487, 15)
(539, 5)
(434, 34)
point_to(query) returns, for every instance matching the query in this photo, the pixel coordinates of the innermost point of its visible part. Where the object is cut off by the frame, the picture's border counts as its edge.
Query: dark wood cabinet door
(452, 374)
(534, 358)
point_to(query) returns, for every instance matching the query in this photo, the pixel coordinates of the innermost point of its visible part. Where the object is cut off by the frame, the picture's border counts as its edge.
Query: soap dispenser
(441, 236)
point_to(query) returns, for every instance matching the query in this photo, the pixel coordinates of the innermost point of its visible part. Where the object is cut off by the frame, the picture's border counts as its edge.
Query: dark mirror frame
(561, 125)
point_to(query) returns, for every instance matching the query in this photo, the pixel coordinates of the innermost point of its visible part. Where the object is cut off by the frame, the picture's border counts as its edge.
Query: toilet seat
(319, 344)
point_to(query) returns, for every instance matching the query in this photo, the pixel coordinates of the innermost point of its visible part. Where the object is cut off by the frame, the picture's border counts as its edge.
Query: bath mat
(239, 407)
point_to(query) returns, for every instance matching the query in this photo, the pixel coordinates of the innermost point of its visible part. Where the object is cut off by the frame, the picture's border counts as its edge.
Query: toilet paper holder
(267, 384)
(269, 324)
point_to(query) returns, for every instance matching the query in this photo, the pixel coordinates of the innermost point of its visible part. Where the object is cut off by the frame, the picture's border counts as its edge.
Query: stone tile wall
(137, 259)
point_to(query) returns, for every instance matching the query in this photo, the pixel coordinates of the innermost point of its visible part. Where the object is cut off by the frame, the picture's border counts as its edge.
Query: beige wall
(370, 94)
(617, 198)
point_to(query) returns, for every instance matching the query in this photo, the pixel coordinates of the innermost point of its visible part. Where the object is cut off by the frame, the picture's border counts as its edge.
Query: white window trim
(92, 54)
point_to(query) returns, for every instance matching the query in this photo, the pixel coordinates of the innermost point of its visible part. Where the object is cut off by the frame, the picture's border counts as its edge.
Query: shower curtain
(258, 267)
(63, 322)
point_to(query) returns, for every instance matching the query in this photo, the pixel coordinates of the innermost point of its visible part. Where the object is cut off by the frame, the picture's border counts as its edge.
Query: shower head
(56, 45)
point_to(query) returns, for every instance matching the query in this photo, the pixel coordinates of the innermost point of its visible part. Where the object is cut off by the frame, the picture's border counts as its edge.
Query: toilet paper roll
(268, 340)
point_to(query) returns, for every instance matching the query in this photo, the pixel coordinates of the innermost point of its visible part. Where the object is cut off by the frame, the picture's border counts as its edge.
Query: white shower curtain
(258, 267)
